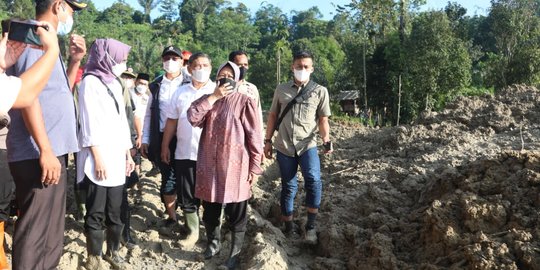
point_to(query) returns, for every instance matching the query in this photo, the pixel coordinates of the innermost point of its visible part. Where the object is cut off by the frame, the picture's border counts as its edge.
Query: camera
(328, 146)
(231, 82)
(23, 31)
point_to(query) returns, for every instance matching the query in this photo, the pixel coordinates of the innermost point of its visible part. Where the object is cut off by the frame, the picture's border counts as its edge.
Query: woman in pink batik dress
(229, 158)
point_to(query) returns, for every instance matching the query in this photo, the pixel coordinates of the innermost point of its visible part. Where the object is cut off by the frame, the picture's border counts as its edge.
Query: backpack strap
(108, 90)
(301, 96)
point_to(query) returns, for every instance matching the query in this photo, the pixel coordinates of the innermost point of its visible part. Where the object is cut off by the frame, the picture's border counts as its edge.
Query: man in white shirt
(162, 89)
(187, 136)
(240, 58)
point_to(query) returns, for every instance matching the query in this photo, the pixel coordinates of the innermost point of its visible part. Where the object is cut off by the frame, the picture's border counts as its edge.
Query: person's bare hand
(50, 168)
(223, 90)
(77, 47)
(144, 150)
(100, 170)
(130, 165)
(268, 150)
(165, 155)
(9, 52)
(138, 142)
(49, 38)
(252, 178)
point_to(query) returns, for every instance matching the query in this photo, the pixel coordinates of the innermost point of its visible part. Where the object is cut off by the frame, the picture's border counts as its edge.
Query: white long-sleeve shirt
(105, 127)
(167, 90)
(11, 86)
(187, 136)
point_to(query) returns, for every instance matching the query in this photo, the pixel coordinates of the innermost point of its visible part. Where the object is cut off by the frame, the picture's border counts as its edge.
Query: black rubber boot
(213, 245)
(80, 200)
(237, 242)
(129, 242)
(114, 233)
(94, 245)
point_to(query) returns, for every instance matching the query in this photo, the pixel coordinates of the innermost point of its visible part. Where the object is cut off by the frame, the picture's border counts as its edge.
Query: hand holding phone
(9, 52)
(223, 81)
(26, 31)
(48, 36)
(328, 147)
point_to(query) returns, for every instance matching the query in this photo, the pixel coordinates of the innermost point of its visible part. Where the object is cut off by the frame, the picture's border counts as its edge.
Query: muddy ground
(457, 189)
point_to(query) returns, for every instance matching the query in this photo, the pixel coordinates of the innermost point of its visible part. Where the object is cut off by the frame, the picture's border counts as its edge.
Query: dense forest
(401, 61)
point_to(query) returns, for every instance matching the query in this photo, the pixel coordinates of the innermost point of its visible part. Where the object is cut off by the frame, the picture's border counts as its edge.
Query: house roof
(348, 95)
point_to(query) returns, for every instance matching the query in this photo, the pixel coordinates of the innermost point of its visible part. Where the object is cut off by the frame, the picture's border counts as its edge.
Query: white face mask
(171, 66)
(201, 75)
(141, 89)
(301, 75)
(65, 27)
(118, 69)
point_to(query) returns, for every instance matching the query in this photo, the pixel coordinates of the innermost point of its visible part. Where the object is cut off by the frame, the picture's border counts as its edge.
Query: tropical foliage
(401, 60)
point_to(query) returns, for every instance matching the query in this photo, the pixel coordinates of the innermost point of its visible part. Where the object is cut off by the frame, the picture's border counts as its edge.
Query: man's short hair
(302, 55)
(198, 55)
(234, 54)
(42, 6)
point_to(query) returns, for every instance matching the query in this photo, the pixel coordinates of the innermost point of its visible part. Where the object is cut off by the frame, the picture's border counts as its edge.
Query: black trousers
(168, 175)
(103, 206)
(185, 185)
(39, 231)
(236, 214)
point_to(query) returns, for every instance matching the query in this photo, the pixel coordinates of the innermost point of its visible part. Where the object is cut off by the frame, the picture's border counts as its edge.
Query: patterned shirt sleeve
(198, 110)
(252, 127)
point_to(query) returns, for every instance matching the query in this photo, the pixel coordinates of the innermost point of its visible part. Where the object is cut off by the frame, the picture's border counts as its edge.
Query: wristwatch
(267, 141)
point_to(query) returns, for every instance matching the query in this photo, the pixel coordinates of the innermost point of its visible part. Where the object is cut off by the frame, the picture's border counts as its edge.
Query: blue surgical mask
(65, 27)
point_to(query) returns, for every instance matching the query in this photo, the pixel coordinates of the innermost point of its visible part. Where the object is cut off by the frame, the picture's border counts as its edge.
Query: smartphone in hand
(231, 82)
(25, 31)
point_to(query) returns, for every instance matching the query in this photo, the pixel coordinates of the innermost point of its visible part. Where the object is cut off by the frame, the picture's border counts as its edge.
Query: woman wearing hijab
(229, 158)
(104, 159)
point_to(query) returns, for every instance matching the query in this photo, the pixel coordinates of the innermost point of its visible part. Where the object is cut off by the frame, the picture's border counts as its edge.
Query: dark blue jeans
(311, 170)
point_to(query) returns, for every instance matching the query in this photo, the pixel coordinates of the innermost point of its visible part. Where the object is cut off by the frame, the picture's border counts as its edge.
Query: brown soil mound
(458, 189)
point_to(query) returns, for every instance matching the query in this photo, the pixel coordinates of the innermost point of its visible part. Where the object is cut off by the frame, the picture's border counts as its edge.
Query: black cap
(76, 5)
(143, 76)
(171, 50)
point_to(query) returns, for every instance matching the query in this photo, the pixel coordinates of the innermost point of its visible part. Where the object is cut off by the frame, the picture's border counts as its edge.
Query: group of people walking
(205, 136)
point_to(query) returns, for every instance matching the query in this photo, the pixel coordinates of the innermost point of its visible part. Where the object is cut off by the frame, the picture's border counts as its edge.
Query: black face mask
(243, 71)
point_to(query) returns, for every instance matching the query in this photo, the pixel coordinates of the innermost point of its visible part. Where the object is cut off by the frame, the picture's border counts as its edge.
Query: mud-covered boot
(236, 246)
(114, 233)
(192, 224)
(213, 237)
(94, 245)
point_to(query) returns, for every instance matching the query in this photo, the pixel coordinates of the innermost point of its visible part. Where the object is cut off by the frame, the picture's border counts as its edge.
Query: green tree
(439, 64)
(308, 24)
(229, 30)
(169, 9)
(22, 9)
(515, 27)
(117, 14)
(194, 12)
(148, 6)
